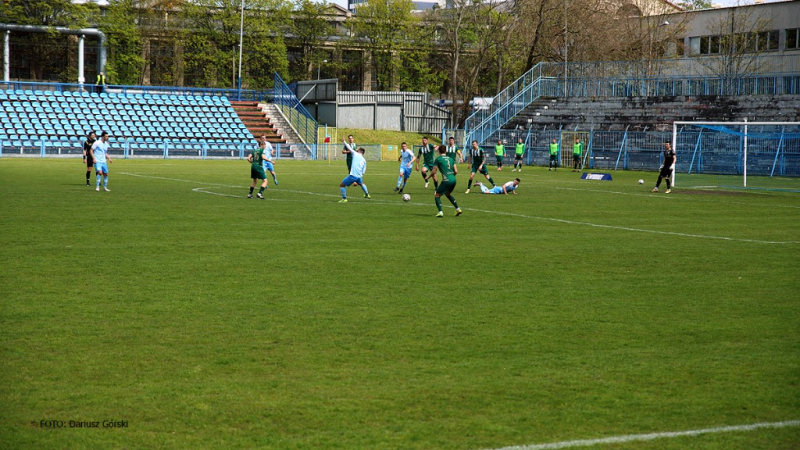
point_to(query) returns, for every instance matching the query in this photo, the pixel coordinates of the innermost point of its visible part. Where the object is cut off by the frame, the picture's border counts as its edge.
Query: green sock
(438, 203)
(491, 181)
(452, 200)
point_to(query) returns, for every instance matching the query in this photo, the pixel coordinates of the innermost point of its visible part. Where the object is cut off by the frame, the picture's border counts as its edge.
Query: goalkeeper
(666, 169)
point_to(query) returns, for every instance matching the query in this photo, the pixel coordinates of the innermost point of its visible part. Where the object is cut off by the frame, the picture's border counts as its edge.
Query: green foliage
(573, 310)
(125, 60)
(309, 28)
(47, 52)
(211, 39)
(692, 5)
(386, 27)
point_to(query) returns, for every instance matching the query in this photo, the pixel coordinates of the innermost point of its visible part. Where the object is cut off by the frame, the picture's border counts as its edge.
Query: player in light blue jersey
(406, 159)
(100, 155)
(357, 170)
(267, 162)
(510, 187)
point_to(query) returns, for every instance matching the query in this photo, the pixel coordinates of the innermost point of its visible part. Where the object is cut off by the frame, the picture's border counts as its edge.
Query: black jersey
(87, 147)
(669, 157)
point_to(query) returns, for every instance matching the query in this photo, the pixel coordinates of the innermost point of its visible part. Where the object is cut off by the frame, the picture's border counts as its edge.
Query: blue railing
(302, 121)
(758, 75)
(231, 94)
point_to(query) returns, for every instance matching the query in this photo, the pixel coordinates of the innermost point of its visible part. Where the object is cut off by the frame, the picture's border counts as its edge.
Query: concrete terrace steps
(257, 122)
(652, 113)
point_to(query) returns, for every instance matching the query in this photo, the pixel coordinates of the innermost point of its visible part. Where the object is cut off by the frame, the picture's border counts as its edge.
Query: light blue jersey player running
(357, 171)
(510, 187)
(267, 162)
(100, 155)
(406, 159)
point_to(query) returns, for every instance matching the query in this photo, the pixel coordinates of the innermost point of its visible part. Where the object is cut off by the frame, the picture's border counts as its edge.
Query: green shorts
(257, 172)
(427, 167)
(446, 187)
(484, 171)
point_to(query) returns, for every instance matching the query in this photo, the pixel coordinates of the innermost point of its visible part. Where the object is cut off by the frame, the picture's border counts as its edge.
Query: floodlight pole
(241, 36)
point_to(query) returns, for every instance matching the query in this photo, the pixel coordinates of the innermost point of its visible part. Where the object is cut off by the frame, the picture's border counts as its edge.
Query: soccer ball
(406, 197)
(641, 181)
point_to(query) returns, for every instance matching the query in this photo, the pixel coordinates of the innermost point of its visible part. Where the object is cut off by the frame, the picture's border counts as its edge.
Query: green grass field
(574, 310)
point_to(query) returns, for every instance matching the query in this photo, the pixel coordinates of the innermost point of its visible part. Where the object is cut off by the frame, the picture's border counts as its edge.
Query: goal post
(736, 147)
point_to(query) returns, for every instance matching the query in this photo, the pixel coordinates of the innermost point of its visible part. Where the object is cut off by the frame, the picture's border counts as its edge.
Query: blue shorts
(268, 166)
(348, 180)
(405, 172)
(101, 167)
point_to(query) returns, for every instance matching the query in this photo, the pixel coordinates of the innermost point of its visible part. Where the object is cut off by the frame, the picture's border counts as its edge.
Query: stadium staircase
(256, 121)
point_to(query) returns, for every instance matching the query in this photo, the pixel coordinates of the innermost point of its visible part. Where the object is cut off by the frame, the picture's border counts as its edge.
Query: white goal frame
(744, 123)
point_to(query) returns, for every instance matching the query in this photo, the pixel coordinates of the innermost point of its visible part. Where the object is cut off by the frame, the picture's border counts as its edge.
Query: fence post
(166, 149)
(41, 147)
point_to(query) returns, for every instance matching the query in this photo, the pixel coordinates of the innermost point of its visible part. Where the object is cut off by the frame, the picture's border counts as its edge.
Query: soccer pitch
(193, 317)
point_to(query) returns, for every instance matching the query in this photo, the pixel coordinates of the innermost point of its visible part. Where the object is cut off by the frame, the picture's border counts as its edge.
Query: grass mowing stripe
(571, 222)
(652, 436)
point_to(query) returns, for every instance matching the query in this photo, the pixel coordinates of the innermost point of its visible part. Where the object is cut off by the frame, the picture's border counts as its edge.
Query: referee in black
(87, 154)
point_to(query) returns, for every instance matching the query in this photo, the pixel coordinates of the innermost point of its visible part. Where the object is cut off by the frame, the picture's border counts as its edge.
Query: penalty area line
(652, 436)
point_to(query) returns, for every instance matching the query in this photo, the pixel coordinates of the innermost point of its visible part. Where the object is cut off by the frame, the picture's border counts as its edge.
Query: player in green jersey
(256, 160)
(577, 151)
(348, 152)
(453, 151)
(553, 155)
(427, 154)
(519, 151)
(449, 170)
(478, 165)
(499, 152)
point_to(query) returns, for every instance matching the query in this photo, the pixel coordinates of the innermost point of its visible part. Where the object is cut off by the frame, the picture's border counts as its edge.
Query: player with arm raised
(99, 153)
(666, 169)
(511, 187)
(449, 170)
(357, 171)
(478, 165)
(427, 154)
(406, 160)
(349, 148)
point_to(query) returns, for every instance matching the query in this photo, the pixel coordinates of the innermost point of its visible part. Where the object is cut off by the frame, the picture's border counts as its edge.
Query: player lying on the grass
(478, 164)
(427, 154)
(357, 171)
(406, 160)
(256, 160)
(665, 171)
(269, 166)
(449, 170)
(511, 187)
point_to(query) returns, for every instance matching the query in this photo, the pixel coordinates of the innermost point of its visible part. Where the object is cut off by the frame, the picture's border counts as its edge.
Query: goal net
(738, 154)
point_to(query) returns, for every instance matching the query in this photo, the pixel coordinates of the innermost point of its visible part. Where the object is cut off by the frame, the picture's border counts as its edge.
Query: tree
(693, 5)
(386, 27)
(309, 29)
(47, 51)
(211, 40)
(125, 61)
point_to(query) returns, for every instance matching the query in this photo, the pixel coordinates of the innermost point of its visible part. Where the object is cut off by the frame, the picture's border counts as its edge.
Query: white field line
(652, 436)
(502, 213)
(656, 196)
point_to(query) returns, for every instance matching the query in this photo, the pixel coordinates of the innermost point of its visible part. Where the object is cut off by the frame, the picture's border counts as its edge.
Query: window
(767, 41)
(793, 39)
(714, 45)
